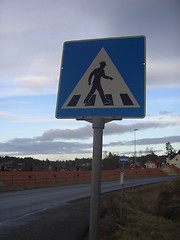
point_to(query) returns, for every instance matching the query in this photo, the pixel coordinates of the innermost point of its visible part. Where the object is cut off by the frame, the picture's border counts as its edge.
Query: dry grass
(149, 213)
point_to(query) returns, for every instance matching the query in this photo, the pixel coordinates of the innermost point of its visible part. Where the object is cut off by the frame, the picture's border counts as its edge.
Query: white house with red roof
(174, 160)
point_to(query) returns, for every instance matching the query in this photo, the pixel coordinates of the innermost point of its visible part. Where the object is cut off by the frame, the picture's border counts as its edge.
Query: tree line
(110, 161)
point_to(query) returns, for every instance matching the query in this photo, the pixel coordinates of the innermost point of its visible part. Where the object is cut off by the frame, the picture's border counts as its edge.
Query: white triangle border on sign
(115, 87)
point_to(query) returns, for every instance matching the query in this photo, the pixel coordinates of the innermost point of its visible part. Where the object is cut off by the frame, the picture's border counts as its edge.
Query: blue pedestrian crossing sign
(102, 78)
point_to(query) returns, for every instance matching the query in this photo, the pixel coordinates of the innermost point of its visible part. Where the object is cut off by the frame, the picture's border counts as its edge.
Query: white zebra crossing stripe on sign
(116, 91)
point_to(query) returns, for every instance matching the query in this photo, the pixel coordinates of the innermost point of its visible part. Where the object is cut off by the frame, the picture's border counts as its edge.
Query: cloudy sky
(31, 40)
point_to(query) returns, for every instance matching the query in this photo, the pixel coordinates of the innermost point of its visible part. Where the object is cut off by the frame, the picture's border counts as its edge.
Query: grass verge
(149, 213)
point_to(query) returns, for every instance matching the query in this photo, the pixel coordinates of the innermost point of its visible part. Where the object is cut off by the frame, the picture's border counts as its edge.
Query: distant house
(152, 164)
(174, 160)
(11, 166)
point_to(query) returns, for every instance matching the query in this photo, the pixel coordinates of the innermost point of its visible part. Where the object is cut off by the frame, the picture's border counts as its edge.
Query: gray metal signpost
(98, 126)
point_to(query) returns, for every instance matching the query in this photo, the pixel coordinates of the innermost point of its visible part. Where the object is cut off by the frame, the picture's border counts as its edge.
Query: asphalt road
(18, 208)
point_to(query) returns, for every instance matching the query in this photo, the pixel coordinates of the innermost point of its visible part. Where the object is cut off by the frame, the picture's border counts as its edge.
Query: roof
(173, 155)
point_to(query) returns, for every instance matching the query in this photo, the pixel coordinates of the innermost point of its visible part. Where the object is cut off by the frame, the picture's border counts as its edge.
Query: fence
(62, 177)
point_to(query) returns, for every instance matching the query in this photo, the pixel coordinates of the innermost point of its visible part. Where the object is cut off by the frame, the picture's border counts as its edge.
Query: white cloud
(49, 141)
(85, 132)
(31, 146)
(164, 112)
(4, 115)
(146, 141)
(32, 33)
(163, 72)
(36, 83)
(26, 146)
(24, 118)
(54, 134)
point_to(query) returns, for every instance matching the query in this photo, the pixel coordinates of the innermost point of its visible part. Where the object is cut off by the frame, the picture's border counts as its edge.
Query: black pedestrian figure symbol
(98, 73)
